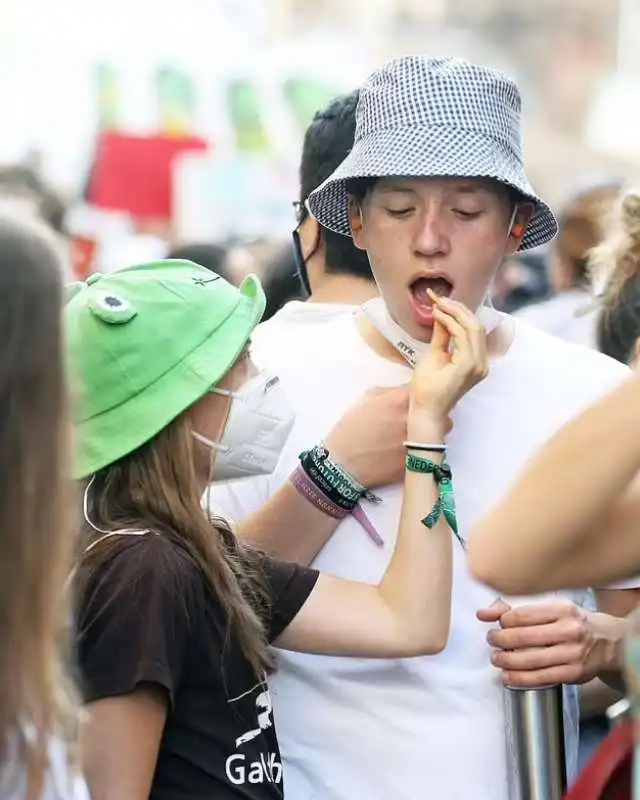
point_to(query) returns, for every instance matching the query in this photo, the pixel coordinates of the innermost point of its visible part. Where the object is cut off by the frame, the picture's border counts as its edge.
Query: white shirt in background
(429, 727)
(561, 316)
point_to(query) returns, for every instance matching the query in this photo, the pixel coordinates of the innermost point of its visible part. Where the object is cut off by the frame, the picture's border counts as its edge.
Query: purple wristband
(307, 488)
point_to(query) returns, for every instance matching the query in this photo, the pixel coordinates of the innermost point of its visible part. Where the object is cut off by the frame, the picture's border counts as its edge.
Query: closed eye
(399, 212)
(466, 214)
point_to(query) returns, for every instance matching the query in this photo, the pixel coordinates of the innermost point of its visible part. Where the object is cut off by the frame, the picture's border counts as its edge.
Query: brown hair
(36, 537)
(156, 488)
(581, 228)
(616, 261)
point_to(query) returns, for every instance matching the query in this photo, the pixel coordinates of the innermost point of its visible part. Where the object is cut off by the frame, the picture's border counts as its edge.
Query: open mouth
(440, 284)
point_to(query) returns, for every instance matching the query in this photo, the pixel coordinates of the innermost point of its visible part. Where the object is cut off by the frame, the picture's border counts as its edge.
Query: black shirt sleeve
(289, 587)
(133, 622)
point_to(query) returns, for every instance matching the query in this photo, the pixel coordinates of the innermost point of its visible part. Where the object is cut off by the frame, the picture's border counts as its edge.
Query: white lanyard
(408, 347)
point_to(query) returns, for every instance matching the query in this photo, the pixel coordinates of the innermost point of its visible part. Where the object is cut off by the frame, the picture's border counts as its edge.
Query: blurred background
(142, 125)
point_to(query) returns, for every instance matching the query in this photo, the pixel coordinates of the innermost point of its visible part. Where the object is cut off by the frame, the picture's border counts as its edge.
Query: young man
(334, 274)
(434, 190)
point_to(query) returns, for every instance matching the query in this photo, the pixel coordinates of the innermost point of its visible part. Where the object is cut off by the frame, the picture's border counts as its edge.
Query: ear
(519, 227)
(356, 223)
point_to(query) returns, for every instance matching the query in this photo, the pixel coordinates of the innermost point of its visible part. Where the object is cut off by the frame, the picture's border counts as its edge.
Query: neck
(499, 340)
(343, 289)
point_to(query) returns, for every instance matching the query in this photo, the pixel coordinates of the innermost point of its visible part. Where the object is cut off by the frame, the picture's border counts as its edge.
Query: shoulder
(565, 362)
(136, 571)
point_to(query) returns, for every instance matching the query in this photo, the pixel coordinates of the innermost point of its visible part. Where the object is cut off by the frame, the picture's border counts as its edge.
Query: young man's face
(447, 234)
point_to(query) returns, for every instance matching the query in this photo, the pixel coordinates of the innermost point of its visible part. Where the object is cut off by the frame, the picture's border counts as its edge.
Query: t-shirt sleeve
(134, 620)
(289, 587)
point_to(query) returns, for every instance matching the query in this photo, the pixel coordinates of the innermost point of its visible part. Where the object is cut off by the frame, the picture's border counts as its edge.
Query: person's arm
(366, 441)
(133, 628)
(408, 612)
(121, 739)
(575, 507)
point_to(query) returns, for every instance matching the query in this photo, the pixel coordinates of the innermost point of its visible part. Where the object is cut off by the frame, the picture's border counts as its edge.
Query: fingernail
(435, 297)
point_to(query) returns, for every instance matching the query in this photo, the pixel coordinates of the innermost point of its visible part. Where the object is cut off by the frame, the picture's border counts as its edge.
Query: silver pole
(535, 743)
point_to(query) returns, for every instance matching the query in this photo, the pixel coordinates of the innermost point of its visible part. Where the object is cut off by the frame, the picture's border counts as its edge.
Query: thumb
(494, 612)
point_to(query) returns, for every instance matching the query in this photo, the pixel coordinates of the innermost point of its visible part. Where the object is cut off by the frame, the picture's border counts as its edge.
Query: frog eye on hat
(112, 308)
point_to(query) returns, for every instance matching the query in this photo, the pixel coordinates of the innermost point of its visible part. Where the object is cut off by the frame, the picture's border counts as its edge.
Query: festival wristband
(338, 484)
(314, 495)
(445, 504)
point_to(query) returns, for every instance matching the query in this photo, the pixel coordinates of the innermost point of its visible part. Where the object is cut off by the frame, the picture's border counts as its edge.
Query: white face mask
(259, 423)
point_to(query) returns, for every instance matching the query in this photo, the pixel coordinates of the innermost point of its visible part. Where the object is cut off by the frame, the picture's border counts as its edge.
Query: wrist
(424, 424)
(610, 632)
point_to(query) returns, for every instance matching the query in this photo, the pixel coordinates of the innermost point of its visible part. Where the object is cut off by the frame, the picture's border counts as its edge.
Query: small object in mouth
(423, 289)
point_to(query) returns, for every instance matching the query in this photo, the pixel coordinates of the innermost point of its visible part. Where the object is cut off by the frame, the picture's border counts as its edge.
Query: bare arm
(576, 515)
(121, 743)
(408, 613)
(367, 441)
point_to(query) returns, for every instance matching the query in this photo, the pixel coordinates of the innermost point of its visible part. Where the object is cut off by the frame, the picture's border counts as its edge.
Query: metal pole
(535, 743)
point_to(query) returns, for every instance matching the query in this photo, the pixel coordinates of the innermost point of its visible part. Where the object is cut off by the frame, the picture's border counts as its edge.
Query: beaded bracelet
(445, 504)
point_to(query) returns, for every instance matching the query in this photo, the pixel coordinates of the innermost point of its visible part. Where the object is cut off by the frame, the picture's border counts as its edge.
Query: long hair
(156, 488)
(36, 533)
(617, 262)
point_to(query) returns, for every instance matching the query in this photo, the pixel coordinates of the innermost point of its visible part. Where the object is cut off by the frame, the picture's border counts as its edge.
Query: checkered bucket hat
(440, 117)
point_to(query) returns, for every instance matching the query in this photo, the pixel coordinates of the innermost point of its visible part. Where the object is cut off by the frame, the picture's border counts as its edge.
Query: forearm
(288, 527)
(417, 582)
(562, 499)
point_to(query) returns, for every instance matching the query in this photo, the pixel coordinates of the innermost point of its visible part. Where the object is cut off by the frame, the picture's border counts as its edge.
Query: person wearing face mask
(174, 614)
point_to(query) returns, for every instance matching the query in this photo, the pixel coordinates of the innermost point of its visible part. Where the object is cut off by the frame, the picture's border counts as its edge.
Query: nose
(430, 237)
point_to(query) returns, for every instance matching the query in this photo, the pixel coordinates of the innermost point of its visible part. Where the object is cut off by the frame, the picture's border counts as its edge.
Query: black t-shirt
(164, 626)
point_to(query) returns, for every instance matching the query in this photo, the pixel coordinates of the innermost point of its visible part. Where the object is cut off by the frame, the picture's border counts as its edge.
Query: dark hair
(359, 188)
(327, 142)
(280, 281)
(618, 257)
(36, 534)
(206, 254)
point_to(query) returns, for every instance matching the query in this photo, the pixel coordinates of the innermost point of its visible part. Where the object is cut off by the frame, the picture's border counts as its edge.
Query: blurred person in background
(208, 254)
(175, 614)
(333, 276)
(566, 313)
(521, 280)
(617, 260)
(408, 194)
(38, 715)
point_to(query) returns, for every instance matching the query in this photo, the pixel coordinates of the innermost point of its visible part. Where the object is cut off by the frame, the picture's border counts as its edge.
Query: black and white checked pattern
(423, 117)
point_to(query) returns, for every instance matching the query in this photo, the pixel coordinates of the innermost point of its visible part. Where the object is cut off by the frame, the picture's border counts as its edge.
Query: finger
(440, 338)
(538, 658)
(535, 636)
(494, 612)
(455, 331)
(541, 614)
(469, 321)
(553, 676)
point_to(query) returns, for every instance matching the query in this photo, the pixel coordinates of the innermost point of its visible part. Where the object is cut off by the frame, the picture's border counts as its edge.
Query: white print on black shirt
(267, 768)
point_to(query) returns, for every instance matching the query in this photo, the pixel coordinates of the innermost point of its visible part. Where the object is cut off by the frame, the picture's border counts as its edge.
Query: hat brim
(114, 434)
(428, 152)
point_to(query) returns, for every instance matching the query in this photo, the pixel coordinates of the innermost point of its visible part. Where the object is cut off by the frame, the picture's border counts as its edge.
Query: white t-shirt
(561, 316)
(429, 727)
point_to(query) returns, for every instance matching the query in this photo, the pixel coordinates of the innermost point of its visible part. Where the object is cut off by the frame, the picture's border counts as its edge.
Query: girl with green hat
(174, 614)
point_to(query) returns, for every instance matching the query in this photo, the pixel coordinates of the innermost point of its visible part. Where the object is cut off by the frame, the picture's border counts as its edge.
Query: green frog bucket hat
(145, 343)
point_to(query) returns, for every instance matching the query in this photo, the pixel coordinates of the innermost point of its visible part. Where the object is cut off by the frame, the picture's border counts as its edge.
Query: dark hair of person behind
(327, 142)
(155, 488)
(618, 257)
(280, 281)
(21, 181)
(207, 254)
(36, 532)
